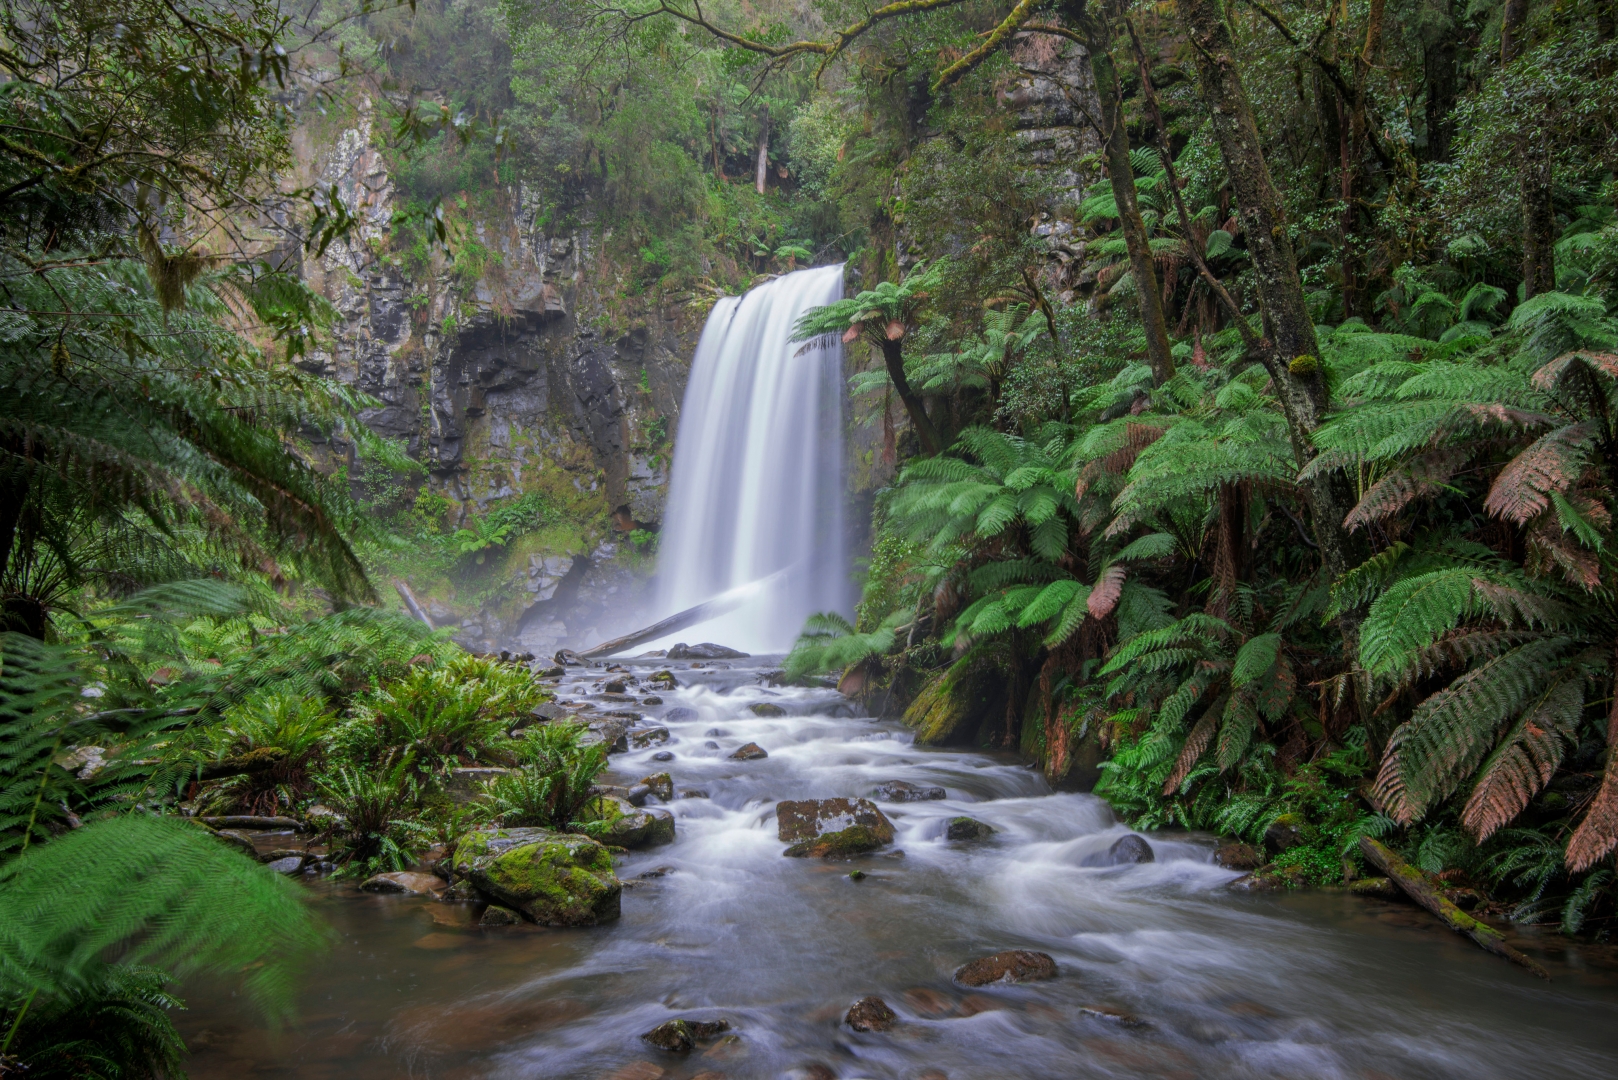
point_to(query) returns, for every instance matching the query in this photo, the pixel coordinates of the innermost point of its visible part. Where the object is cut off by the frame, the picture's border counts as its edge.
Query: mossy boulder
(806, 819)
(556, 879)
(660, 784)
(952, 707)
(843, 844)
(968, 829)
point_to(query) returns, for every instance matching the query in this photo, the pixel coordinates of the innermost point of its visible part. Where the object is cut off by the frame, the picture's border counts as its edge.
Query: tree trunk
(763, 149)
(1534, 175)
(1290, 352)
(1442, 75)
(1122, 175)
(893, 357)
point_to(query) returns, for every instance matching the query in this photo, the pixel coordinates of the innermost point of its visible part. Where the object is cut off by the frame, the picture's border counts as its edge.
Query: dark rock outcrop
(870, 1014)
(901, 791)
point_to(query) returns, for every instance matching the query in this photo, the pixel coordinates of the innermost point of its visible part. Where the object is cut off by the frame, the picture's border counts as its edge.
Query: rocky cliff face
(533, 375)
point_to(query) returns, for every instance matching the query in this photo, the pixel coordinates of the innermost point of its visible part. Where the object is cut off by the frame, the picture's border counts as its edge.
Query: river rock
(403, 881)
(289, 865)
(640, 740)
(766, 708)
(1126, 849)
(615, 686)
(1238, 856)
(1112, 1015)
(751, 752)
(901, 791)
(805, 819)
(660, 784)
(495, 915)
(613, 732)
(705, 651)
(569, 658)
(663, 755)
(637, 828)
(870, 1014)
(1012, 966)
(463, 892)
(965, 828)
(662, 680)
(239, 840)
(553, 878)
(1285, 833)
(680, 714)
(549, 711)
(651, 699)
(677, 1036)
(843, 844)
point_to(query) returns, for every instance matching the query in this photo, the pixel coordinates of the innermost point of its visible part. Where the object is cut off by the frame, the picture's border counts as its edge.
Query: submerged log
(260, 760)
(1419, 889)
(253, 821)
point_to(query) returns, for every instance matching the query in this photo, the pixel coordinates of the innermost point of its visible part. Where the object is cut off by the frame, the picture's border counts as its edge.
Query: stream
(1223, 983)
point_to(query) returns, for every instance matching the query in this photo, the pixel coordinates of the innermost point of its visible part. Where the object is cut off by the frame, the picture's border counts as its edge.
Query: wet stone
(901, 791)
(660, 784)
(404, 882)
(663, 755)
(707, 650)
(680, 714)
(715, 733)
(616, 686)
(1013, 966)
(642, 739)
(637, 1070)
(1125, 850)
(1112, 1015)
(637, 795)
(710, 745)
(1237, 856)
(693, 793)
(766, 708)
(804, 819)
(870, 1014)
(965, 828)
(495, 915)
(750, 752)
(289, 865)
(677, 1036)
(661, 871)
(652, 700)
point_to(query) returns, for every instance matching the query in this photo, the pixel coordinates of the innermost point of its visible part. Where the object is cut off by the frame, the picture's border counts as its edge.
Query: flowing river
(718, 925)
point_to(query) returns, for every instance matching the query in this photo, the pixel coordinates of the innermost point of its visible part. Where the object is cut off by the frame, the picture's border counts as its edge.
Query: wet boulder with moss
(555, 879)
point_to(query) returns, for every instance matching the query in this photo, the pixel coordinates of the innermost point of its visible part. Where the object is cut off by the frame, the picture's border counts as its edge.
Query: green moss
(843, 844)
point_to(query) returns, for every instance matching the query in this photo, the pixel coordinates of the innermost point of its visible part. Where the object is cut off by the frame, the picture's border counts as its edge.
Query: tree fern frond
(1552, 463)
(1525, 759)
(1450, 732)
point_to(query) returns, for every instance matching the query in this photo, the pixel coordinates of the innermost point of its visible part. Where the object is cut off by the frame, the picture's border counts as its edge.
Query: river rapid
(1223, 983)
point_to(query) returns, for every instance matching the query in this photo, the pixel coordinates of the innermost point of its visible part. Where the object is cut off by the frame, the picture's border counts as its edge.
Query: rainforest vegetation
(1247, 443)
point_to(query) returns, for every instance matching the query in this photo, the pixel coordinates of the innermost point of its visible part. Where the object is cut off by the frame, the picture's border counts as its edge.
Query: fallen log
(252, 821)
(254, 761)
(412, 603)
(722, 604)
(1418, 888)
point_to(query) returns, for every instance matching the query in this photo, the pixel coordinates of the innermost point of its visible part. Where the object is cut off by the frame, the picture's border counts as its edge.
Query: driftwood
(722, 604)
(409, 598)
(1418, 888)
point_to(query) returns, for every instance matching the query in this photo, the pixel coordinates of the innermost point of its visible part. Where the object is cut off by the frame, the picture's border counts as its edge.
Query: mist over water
(758, 468)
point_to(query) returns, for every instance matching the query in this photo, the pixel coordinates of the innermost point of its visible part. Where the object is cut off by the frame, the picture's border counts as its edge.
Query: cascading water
(758, 467)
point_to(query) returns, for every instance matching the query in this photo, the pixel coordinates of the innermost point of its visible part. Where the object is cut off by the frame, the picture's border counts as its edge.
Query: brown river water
(1225, 984)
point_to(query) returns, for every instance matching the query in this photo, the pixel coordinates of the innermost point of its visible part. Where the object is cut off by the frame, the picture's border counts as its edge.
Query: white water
(758, 468)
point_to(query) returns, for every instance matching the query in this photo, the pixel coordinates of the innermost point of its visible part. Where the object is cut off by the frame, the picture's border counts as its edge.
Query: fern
(160, 890)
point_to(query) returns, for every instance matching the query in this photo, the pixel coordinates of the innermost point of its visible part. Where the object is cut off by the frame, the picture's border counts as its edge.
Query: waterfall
(757, 485)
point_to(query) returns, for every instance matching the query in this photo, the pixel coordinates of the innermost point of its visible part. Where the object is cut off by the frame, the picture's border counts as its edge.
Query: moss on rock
(552, 878)
(843, 844)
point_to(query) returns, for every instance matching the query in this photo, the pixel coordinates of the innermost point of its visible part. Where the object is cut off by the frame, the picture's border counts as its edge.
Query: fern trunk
(915, 408)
